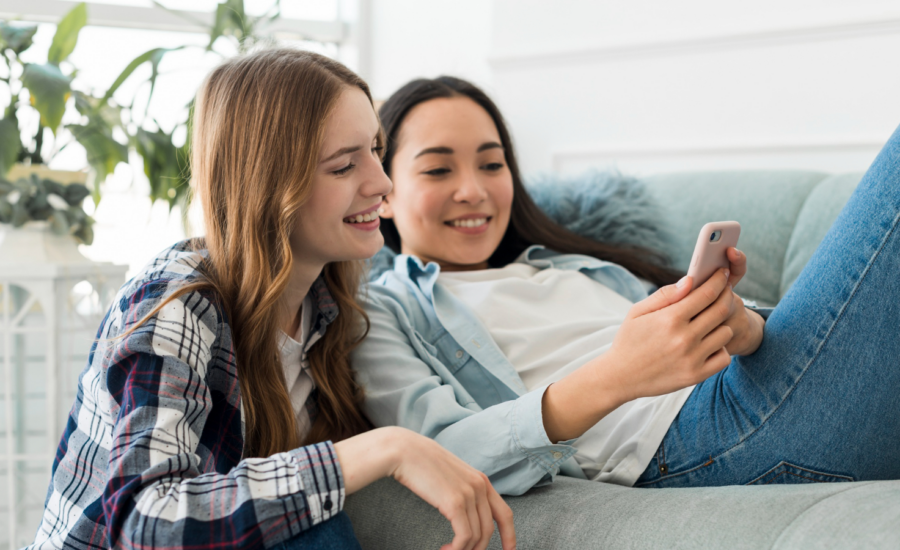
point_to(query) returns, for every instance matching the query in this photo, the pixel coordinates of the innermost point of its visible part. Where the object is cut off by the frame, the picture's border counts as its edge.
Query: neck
(445, 266)
(302, 278)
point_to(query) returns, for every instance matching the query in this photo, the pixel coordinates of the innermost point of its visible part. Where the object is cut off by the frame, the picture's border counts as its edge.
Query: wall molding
(619, 151)
(762, 38)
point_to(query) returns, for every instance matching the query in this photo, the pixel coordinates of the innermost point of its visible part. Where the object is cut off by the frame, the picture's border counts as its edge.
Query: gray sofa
(784, 215)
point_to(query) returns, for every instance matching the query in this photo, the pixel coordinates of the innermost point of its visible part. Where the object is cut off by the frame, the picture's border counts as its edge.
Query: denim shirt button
(557, 455)
(459, 354)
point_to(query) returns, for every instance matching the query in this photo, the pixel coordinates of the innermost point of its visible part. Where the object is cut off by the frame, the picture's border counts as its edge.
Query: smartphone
(709, 253)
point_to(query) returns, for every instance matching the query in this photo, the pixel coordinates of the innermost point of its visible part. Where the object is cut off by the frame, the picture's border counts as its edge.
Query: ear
(386, 211)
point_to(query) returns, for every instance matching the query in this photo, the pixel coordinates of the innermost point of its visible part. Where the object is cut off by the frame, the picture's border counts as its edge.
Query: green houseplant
(46, 89)
(165, 163)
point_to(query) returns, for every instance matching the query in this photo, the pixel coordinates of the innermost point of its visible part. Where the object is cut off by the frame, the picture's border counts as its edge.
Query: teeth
(363, 218)
(474, 222)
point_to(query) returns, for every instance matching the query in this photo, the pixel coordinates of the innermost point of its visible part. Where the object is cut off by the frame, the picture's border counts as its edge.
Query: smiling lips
(367, 220)
(470, 224)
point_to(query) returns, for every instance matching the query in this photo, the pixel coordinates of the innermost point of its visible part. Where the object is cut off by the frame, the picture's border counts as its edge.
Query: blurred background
(643, 86)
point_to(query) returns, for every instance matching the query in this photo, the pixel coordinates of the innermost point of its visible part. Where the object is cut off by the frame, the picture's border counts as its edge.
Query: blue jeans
(820, 399)
(334, 534)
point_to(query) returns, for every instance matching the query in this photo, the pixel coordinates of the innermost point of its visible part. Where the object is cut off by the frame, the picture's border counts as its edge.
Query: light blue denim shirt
(429, 364)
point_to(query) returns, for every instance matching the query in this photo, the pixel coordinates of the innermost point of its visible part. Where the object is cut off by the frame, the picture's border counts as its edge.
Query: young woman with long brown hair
(220, 377)
(529, 351)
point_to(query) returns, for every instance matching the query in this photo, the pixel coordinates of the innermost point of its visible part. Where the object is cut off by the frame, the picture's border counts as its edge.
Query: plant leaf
(103, 152)
(10, 144)
(230, 20)
(49, 90)
(59, 224)
(75, 193)
(19, 215)
(153, 56)
(6, 211)
(67, 34)
(164, 165)
(84, 232)
(18, 39)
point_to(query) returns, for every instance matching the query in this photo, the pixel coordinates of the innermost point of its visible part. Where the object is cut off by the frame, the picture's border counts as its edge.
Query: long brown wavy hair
(528, 225)
(257, 128)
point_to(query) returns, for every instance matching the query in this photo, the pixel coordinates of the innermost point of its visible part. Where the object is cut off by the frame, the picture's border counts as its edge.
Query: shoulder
(161, 279)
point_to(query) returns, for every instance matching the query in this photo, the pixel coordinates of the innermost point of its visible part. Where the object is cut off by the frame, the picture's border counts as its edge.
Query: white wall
(650, 85)
(415, 38)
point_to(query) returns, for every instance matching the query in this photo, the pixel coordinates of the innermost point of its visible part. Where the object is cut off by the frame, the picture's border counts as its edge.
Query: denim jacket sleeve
(406, 385)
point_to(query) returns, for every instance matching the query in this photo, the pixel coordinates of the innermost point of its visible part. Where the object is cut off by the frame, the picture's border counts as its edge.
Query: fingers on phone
(705, 294)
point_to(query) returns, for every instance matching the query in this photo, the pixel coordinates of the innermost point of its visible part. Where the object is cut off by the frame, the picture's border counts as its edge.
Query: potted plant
(29, 191)
(165, 163)
(26, 184)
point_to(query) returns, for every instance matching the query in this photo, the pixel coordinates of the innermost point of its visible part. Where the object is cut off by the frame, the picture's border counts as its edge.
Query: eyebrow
(342, 151)
(489, 145)
(449, 151)
(435, 151)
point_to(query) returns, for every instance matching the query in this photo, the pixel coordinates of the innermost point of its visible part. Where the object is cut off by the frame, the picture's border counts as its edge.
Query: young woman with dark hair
(529, 352)
(528, 225)
(220, 377)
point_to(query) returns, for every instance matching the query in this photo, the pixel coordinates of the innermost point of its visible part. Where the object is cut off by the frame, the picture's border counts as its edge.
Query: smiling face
(453, 190)
(340, 221)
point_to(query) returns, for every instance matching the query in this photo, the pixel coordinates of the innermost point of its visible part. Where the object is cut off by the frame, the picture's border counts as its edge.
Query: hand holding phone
(710, 252)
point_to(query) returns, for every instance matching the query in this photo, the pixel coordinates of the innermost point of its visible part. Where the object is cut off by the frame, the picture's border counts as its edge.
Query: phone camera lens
(715, 236)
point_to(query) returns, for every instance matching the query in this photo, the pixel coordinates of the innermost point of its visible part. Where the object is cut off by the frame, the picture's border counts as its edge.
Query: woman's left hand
(738, 267)
(747, 325)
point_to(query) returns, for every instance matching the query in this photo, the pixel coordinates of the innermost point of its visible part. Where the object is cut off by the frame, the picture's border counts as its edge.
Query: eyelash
(344, 170)
(350, 166)
(493, 167)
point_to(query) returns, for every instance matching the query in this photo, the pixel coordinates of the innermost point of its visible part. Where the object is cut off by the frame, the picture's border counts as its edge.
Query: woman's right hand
(673, 339)
(460, 493)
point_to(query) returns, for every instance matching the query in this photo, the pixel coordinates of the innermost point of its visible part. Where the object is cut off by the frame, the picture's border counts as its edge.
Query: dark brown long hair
(528, 225)
(258, 126)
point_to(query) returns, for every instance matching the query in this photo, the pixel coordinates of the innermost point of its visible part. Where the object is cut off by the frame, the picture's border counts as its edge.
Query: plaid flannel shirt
(151, 454)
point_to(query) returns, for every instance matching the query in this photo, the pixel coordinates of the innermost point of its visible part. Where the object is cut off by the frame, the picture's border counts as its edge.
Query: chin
(470, 260)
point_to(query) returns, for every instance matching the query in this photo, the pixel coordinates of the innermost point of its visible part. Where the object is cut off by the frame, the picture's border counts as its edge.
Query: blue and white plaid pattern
(151, 455)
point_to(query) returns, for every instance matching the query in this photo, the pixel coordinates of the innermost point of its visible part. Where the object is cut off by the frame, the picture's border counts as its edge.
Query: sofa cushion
(574, 513)
(766, 203)
(821, 208)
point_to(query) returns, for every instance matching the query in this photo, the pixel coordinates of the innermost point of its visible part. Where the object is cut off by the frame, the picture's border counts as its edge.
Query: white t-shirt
(548, 323)
(295, 365)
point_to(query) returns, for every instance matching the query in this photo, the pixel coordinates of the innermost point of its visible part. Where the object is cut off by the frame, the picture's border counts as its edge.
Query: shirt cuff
(763, 312)
(321, 478)
(531, 438)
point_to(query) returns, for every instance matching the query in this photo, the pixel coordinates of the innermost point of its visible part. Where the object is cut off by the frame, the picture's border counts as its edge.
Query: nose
(377, 184)
(470, 189)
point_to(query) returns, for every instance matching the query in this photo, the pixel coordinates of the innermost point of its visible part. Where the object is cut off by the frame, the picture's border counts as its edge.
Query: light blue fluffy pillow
(603, 206)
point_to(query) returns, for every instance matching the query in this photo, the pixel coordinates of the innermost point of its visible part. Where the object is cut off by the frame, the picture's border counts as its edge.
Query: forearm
(571, 406)
(368, 457)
